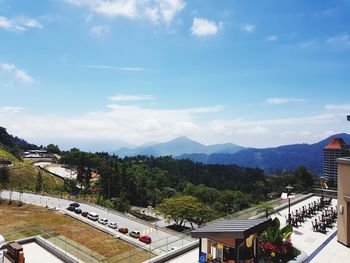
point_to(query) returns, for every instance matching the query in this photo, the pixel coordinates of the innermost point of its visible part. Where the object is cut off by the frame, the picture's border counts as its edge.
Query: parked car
(75, 204)
(71, 208)
(123, 230)
(135, 233)
(146, 239)
(77, 211)
(113, 225)
(103, 221)
(85, 214)
(92, 216)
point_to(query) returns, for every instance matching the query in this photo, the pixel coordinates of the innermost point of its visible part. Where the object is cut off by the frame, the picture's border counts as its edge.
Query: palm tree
(267, 208)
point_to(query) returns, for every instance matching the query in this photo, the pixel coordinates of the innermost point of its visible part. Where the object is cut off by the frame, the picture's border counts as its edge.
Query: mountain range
(271, 160)
(176, 147)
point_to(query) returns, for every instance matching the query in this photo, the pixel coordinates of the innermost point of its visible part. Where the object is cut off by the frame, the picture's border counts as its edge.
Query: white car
(113, 225)
(92, 216)
(135, 233)
(103, 221)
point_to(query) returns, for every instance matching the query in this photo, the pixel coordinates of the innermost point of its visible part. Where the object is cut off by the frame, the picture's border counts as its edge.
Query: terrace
(316, 244)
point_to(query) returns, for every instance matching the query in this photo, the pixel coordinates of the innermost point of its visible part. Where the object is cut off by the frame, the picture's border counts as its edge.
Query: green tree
(39, 182)
(51, 148)
(267, 209)
(303, 177)
(185, 208)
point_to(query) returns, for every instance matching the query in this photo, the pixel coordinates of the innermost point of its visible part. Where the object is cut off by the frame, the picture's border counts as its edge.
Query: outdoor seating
(321, 212)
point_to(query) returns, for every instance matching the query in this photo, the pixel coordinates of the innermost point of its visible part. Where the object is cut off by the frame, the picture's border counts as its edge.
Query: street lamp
(289, 188)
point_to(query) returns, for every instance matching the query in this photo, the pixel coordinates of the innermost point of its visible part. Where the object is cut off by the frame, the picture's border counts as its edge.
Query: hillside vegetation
(5, 154)
(23, 175)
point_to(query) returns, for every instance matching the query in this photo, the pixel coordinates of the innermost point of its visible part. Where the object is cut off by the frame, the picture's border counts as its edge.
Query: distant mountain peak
(178, 146)
(182, 139)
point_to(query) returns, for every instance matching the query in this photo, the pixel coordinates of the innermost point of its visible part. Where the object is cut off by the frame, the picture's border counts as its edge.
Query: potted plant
(275, 243)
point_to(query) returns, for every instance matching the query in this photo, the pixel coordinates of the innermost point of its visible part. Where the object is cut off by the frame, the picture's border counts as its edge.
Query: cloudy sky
(100, 74)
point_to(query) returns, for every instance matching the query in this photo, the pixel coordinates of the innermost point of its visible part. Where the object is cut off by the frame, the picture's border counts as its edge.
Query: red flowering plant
(275, 243)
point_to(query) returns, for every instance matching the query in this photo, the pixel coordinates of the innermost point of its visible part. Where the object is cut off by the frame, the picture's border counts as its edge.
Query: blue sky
(100, 74)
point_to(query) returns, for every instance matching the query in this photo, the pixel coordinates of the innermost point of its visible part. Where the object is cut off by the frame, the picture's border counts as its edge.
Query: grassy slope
(25, 218)
(24, 175)
(7, 155)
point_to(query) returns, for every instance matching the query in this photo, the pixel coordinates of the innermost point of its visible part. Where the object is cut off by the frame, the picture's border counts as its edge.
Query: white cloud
(116, 68)
(253, 130)
(169, 8)
(271, 38)
(277, 101)
(10, 109)
(154, 10)
(99, 31)
(131, 97)
(316, 119)
(125, 122)
(306, 44)
(125, 8)
(342, 40)
(331, 107)
(18, 74)
(204, 27)
(248, 28)
(141, 124)
(18, 24)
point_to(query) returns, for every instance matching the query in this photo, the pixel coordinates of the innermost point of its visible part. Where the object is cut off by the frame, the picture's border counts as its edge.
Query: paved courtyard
(303, 237)
(333, 252)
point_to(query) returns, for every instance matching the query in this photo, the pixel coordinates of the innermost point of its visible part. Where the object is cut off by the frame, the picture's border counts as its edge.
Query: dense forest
(144, 181)
(209, 190)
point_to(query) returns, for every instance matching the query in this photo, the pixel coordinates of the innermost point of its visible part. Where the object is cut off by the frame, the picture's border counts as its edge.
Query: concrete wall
(343, 204)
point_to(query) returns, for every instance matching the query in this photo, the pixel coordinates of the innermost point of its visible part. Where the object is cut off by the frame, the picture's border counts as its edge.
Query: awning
(236, 229)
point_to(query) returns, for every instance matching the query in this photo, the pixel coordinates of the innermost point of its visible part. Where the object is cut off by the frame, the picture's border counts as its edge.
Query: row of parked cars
(74, 207)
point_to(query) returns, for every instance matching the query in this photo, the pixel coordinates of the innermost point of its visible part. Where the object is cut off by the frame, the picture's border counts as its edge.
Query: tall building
(331, 152)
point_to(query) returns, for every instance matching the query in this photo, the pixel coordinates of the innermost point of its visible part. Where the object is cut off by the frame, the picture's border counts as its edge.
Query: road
(162, 240)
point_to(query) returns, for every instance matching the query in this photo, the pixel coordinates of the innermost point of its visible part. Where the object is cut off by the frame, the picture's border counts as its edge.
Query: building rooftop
(336, 144)
(34, 253)
(236, 228)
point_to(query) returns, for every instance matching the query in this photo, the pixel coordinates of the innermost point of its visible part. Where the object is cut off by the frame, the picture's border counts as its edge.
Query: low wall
(281, 207)
(49, 247)
(176, 253)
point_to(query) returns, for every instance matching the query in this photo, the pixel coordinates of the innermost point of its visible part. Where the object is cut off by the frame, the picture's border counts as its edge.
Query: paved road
(162, 241)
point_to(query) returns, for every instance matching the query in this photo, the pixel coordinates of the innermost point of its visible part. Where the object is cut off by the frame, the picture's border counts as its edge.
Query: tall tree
(51, 148)
(39, 182)
(185, 208)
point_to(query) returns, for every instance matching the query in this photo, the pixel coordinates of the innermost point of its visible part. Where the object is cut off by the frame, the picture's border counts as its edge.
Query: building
(5, 162)
(334, 150)
(38, 156)
(228, 240)
(344, 201)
